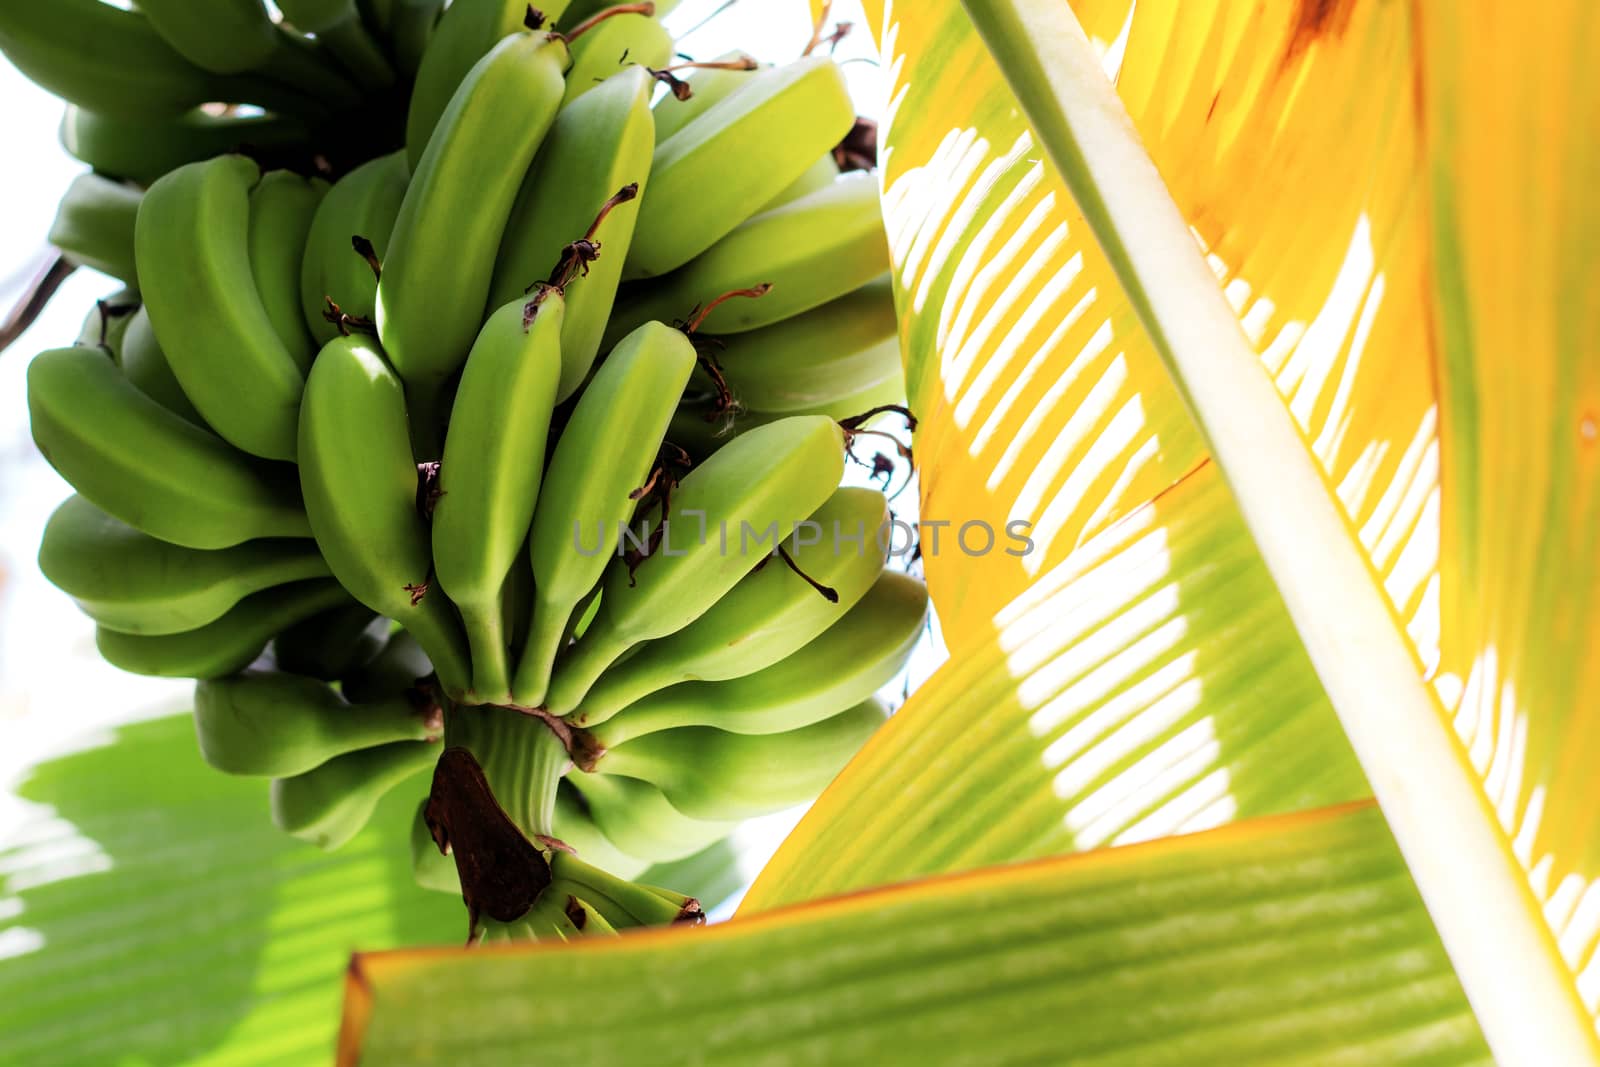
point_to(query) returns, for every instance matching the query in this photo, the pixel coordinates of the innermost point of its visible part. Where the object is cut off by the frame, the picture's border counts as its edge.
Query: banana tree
(1273, 323)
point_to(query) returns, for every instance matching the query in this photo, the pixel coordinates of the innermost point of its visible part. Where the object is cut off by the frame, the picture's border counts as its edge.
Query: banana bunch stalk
(500, 461)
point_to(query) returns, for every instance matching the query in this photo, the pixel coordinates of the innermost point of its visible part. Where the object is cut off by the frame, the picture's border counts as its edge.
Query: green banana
(331, 645)
(712, 774)
(360, 486)
(364, 203)
(337, 25)
(223, 36)
(129, 581)
(850, 661)
(269, 724)
(575, 828)
(769, 615)
(113, 61)
(465, 34)
(580, 11)
(760, 484)
(282, 206)
(811, 251)
(399, 666)
(141, 151)
(838, 350)
(181, 484)
(230, 644)
(749, 147)
(700, 426)
(145, 365)
(489, 478)
(640, 821)
(708, 86)
(239, 37)
(106, 325)
(194, 254)
(441, 256)
(329, 805)
(94, 226)
(623, 904)
(613, 46)
(605, 452)
(410, 27)
(596, 147)
(821, 174)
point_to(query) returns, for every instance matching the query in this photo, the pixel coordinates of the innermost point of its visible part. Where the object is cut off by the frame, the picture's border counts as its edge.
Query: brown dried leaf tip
(366, 251)
(576, 257)
(347, 324)
(859, 149)
(502, 872)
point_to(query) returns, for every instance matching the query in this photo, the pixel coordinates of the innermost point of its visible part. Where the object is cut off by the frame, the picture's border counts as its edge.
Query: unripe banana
(834, 351)
(583, 10)
(708, 86)
(489, 479)
(441, 257)
(465, 34)
(410, 26)
(576, 829)
(145, 365)
(224, 36)
(611, 47)
(113, 61)
(194, 254)
(712, 774)
(596, 147)
(238, 36)
(821, 174)
(143, 150)
(639, 820)
(269, 724)
(282, 206)
(106, 325)
(811, 251)
(181, 484)
(399, 666)
(749, 147)
(364, 203)
(230, 644)
(700, 426)
(623, 904)
(129, 581)
(330, 805)
(94, 226)
(331, 645)
(337, 25)
(770, 614)
(769, 478)
(603, 455)
(850, 661)
(360, 485)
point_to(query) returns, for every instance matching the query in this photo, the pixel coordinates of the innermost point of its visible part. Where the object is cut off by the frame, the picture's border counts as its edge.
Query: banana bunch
(506, 453)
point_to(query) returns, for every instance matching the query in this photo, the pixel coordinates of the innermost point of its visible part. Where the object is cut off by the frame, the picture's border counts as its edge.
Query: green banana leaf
(1382, 211)
(1262, 943)
(153, 915)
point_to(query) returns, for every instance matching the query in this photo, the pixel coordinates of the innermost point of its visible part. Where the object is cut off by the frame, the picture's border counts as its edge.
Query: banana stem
(522, 758)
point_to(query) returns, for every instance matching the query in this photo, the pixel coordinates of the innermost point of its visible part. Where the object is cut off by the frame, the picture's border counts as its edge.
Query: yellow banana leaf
(1382, 193)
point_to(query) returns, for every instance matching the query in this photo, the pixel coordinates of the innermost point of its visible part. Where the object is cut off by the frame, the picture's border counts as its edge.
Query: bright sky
(55, 693)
